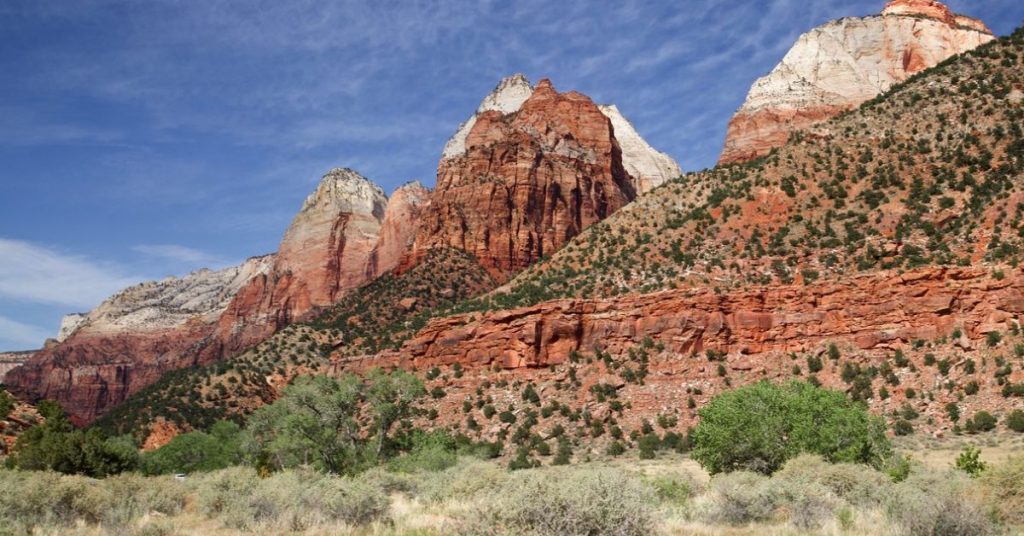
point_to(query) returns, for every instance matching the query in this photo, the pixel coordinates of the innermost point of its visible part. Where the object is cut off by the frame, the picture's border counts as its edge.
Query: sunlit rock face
(842, 64)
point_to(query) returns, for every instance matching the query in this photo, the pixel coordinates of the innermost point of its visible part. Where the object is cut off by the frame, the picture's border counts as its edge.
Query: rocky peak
(933, 9)
(527, 181)
(647, 167)
(842, 64)
(399, 227)
(345, 189)
(68, 324)
(508, 95)
(506, 98)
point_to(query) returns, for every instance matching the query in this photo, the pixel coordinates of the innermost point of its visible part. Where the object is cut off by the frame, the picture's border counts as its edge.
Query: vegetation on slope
(371, 318)
(926, 174)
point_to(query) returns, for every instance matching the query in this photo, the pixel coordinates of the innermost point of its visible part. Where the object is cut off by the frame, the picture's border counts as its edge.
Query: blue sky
(148, 138)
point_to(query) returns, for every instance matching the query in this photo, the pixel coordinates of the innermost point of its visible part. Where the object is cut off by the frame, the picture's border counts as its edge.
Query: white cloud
(17, 335)
(182, 254)
(37, 274)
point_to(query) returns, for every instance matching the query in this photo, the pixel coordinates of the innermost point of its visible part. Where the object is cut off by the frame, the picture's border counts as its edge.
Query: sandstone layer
(842, 64)
(324, 254)
(647, 167)
(10, 360)
(869, 311)
(528, 182)
(131, 339)
(398, 228)
(344, 235)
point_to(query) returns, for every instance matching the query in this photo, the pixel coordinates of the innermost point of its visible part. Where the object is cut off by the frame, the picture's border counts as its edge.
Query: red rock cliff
(528, 182)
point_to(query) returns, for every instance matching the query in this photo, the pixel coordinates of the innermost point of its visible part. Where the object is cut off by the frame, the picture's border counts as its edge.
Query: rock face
(869, 312)
(69, 324)
(398, 229)
(10, 360)
(842, 64)
(647, 167)
(324, 253)
(131, 339)
(344, 235)
(527, 182)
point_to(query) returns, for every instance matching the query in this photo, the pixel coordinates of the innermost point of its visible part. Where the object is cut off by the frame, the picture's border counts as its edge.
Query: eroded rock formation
(527, 182)
(870, 311)
(324, 254)
(343, 236)
(647, 166)
(842, 64)
(131, 339)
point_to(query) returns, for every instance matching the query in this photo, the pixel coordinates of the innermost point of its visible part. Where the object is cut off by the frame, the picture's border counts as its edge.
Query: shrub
(33, 501)
(433, 451)
(741, 497)
(759, 427)
(1003, 488)
(648, 445)
(676, 488)
(196, 451)
(466, 480)
(938, 504)
(854, 483)
(902, 427)
(566, 501)
(969, 462)
(982, 421)
(292, 500)
(1015, 421)
(6, 404)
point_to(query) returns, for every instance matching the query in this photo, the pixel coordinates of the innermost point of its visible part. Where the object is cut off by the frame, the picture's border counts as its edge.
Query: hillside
(373, 317)
(874, 254)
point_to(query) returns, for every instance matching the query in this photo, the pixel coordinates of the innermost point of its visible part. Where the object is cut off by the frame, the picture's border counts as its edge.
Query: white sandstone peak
(507, 97)
(344, 189)
(649, 167)
(68, 324)
(841, 64)
(170, 302)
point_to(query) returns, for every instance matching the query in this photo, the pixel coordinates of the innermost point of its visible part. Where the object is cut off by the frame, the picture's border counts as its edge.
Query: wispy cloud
(37, 274)
(183, 255)
(16, 335)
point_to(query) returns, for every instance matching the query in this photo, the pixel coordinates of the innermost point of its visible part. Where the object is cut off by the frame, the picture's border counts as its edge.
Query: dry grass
(675, 497)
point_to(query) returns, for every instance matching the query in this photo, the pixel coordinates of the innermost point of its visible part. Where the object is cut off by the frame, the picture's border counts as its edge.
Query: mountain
(838, 66)
(529, 171)
(646, 166)
(878, 254)
(333, 245)
(325, 252)
(131, 339)
(527, 182)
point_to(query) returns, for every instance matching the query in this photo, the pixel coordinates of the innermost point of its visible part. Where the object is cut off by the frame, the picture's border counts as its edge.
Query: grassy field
(670, 495)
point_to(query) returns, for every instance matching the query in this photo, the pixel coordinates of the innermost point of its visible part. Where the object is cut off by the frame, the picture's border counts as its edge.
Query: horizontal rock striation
(131, 339)
(872, 311)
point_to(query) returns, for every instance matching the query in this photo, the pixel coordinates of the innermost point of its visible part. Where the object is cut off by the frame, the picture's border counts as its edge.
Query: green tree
(56, 445)
(390, 397)
(760, 426)
(314, 422)
(969, 462)
(6, 404)
(197, 451)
